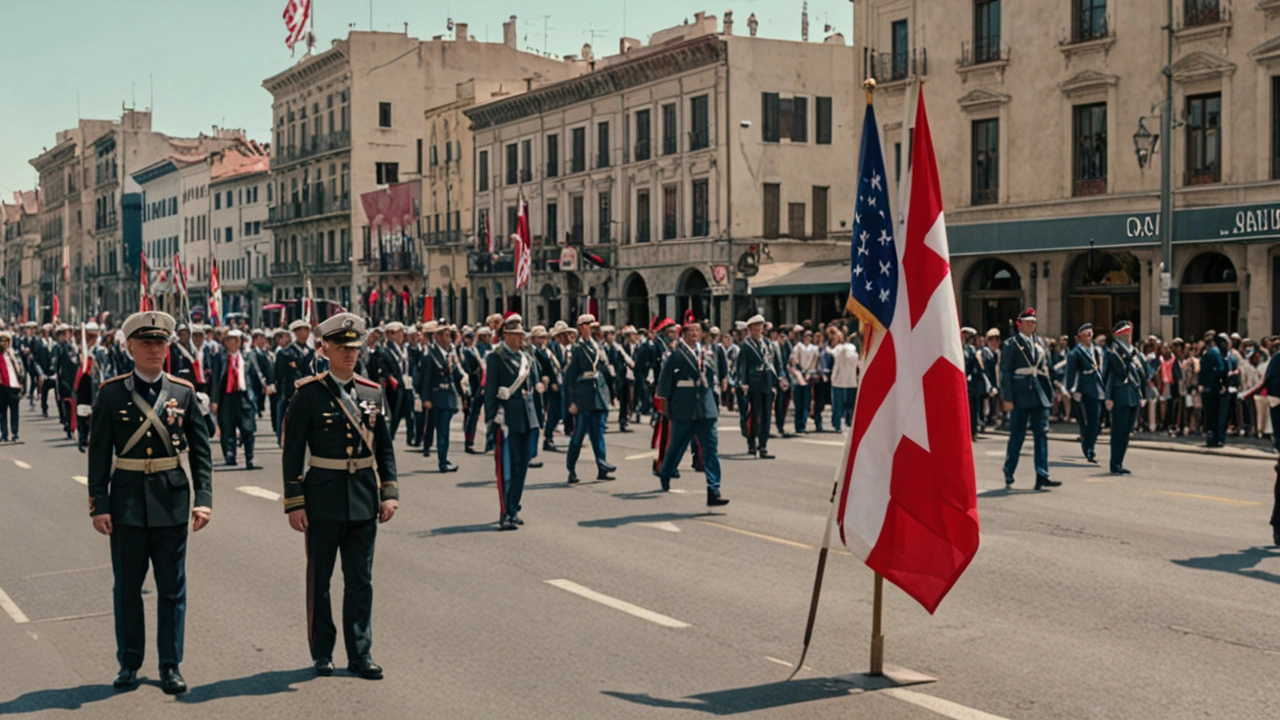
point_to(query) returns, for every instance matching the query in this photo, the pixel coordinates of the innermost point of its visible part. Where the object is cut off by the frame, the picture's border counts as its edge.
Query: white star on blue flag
(876, 294)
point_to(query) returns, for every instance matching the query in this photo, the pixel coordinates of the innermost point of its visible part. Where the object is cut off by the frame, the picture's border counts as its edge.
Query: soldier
(508, 408)
(757, 376)
(975, 382)
(585, 379)
(13, 382)
(202, 352)
(1027, 393)
(550, 365)
(562, 349)
(260, 356)
(686, 390)
(142, 423)
(666, 335)
(473, 353)
(293, 363)
(235, 385)
(989, 355)
(399, 381)
(1213, 387)
(624, 368)
(439, 381)
(1124, 375)
(341, 418)
(1084, 382)
(66, 363)
(416, 346)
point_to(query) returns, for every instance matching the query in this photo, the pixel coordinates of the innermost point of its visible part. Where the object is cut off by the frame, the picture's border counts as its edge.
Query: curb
(1243, 453)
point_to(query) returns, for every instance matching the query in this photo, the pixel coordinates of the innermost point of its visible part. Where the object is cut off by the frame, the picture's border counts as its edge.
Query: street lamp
(1145, 144)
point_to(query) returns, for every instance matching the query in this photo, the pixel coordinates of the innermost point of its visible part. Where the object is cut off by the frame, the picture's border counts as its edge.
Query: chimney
(753, 24)
(804, 23)
(728, 22)
(460, 32)
(509, 32)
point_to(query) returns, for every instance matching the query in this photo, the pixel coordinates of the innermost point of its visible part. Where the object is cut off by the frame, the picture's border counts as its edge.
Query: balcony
(330, 268)
(982, 51)
(1083, 187)
(443, 237)
(285, 269)
(311, 147)
(1206, 175)
(900, 65)
(1198, 13)
(480, 263)
(106, 223)
(303, 210)
(396, 262)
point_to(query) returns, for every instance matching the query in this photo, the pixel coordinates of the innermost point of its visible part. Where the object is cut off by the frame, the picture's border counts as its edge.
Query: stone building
(241, 191)
(700, 172)
(1037, 112)
(22, 270)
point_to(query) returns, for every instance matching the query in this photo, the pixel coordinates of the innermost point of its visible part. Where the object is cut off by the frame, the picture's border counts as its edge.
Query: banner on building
(719, 280)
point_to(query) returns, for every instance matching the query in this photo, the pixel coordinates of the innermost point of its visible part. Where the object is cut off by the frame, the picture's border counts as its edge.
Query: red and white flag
(145, 302)
(908, 504)
(215, 295)
(521, 240)
(488, 234)
(296, 14)
(179, 274)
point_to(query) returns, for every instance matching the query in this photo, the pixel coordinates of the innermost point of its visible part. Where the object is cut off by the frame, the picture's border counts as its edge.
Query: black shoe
(573, 478)
(230, 462)
(714, 499)
(506, 524)
(532, 463)
(751, 450)
(365, 668)
(248, 465)
(604, 475)
(515, 519)
(606, 467)
(766, 455)
(171, 681)
(549, 446)
(1123, 471)
(1275, 537)
(1008, 480)
(1044, 482)
(126, 679)
(666, 483)
(448, 468)
(468, 449)
(324, 667)
(1091, 457)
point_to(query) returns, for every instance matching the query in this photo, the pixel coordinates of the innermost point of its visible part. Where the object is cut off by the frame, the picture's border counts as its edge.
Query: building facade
(693, 174)
(1047, 201)
(241, 191)
(22, 269)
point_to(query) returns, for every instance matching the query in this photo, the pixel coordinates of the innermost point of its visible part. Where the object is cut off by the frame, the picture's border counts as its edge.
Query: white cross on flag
(520, 238)
(296, 14)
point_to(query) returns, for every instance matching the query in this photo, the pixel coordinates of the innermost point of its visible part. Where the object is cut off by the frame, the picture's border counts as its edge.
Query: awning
(807, 279)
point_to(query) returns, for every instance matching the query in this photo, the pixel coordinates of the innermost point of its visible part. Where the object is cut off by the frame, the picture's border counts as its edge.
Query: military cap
(608, 329)
(538, 331)
(1028, 314)
(300, 323)
(197, 329)
(258, 331)
(6, 335)
(63, 327)
(393, 326)
(629, 330)
(279, 331)
(91, 326)
(496, 317)
(234, 333)
(1122, 327)
(151, 324)
(993, 333)
(968, 331)
(1087, 327)
(431, 327)
(560, 328)
(513, 324)
(714, 330)
(483, 331)
(585, 319)
(755, 320)
(182, 326)
(343, 330)
(468, 332)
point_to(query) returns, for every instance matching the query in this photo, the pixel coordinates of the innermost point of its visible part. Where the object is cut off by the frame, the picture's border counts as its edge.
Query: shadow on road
(456, 530)
(72, 698)
(475, 483)
(1237, 563)
(631, 519)
(1008, 492)
(646, 495)
(264, 683)
(749, 699)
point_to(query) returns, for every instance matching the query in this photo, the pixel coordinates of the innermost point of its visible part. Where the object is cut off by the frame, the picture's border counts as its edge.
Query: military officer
(234, 387)
(139, 494)
(1027, 393)
(510, 384)
(13, 382)
(589, 400)
(440, 377)
(686, 390)
(473, 352)
(975, 380)
(549, 371)
(1084, 382)
(350, 487)
(66, 365)
(293, 363)
(757, 376)
(1124, 376)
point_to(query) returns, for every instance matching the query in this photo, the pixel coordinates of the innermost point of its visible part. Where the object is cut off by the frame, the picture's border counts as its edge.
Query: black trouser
(49, 383)
(64, 396)
(780, 402)
(1275, 440)
(758, 419)
(8, 411)
(475, 407)
(1122, 418)
(1216, 408)
(326, 539)
(975, 414)
(236, 413)
(821, 399)
(624, 403)
(165, 549)
(401, 408)
(438, 421)
(643, 404)
(429, 432)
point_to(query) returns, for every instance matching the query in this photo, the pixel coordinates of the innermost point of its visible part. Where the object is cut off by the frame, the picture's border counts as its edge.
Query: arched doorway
(1104, 288)
(1210, 293)
(992, 295)
(635, 293)
(551, 298)
(464, 312)
(482, 304)
(577, 306)
(693, 293)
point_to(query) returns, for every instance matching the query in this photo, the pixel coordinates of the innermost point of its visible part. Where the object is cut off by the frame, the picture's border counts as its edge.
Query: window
(384, 114)
(795, 220)
(526, 166)
(669, 130)
(820, 212)
(1275, 133)
(575, 203)
(799, 118)
(419, 156)
(257, 226)
(822, 106)
(1089, 21)
(217, 201)
(550, 230)
(388, 173)
(985, 174)
(1201, 12)
(578, 163)
(901, 52)
(701, 201)
(787, 118)
(1090, 149)
(700, 136)
(482, 176)
(553, 156)
(229, 196)
(642, 135)
(602, 145)
(228, 236)
(769, 117)
(642, 216)
(513, 218)
(513, 164)
(986, 31)
(603, 217)
(772, 207)
(670, 227)
(1204, 139)
(248, 229)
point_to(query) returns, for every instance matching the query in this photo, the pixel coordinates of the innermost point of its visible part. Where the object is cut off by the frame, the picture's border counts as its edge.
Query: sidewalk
(1249, 448)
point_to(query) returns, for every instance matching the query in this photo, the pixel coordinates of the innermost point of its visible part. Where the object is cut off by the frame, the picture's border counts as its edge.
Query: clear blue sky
(206, 59)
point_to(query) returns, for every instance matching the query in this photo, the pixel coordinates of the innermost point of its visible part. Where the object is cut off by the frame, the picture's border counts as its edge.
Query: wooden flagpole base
(890, 676)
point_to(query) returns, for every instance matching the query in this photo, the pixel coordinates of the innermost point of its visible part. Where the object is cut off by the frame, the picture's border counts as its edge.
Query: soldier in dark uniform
(757, 376)
(510, 384)
(666, 334)
(585, 379)
(1271, 381)
(260, 355)
(234, 388)
(550, 375)
(975, 380)
(555, 393)
(416, 346)
(1027, 393)
(1124, 376)
(140, 496)
(341, 418)
(13, 383)
(473, 368)
(66, 364)
(686, 389)
(293, 363)
(1213, 391)
(438, 382)
(1084, 382)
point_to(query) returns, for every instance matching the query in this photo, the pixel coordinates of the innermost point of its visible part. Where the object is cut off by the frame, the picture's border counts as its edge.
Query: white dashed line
(80, 479)
(641, 456)
(946, 708)
(679, 491)
(12, 608)
(832, 443)
(258, 492)
(617, 604)
(664, 526)
(22, 464)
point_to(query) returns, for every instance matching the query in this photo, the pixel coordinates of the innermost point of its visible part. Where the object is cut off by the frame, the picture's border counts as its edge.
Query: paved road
(1151, 596)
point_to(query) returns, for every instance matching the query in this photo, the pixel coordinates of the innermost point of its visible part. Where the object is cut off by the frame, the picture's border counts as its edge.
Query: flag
(908, 504)
(488, 234)
(145, 302)
(179, 274)
(215, 295)
(57, 308)
(309, 305)
(66, 263)
(296, 14)
(522, 244)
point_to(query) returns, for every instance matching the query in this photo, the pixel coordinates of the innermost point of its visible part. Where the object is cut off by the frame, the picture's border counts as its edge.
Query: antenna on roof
(151, 104)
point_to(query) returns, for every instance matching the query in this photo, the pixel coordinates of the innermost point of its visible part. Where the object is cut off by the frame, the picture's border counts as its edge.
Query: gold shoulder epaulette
(299, 383)
(111, 380)
(366, 381)
(180, 381)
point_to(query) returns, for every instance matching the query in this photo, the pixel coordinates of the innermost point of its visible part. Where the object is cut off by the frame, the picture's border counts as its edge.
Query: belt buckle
(351, 466)
(148, 466)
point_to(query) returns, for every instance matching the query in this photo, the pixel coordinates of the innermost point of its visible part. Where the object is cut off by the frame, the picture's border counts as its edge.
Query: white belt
(350, 464)
(686, 383)
(147, 466)
(1030, 371)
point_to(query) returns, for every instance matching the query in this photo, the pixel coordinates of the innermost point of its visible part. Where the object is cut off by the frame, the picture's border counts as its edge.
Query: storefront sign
(719, 280)
(568, 259)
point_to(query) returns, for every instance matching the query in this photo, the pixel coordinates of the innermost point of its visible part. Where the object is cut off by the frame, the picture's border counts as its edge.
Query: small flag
(522, 244)
(145, 302)
(488, 234)
(215, 295)
(57, 307)
(296, 14)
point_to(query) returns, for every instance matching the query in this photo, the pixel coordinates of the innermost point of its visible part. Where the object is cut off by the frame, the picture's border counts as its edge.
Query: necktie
(4, 369)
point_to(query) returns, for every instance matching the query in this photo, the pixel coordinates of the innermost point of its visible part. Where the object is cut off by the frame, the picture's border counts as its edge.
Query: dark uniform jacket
(975, 376)
(438, 378)
(548, 366)
(689, 389)
(1084, 372)
(320, 421)
(757, 367)
(66, 363)
(293, 363)
(266, 367)
(516, 412)
(585, 377)
(254, 385)
(137, 498)
(1024, 373)
(472, 367)
(1124, 374)
(1213, 371)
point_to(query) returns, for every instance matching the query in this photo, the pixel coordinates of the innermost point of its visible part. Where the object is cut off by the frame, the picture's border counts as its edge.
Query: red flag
(488, 234)
(908, 505)
(428, 308)
(57, 308)
(521, 239)
(215, 295)
(296, 14)
(145, 302)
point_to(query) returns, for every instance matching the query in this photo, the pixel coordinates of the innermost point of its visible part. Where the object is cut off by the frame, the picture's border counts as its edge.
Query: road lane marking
(832, 443)
(665, 526)
(80, 479)
(946, 708)
(641, 456)
(65, 618)
(679, 491)
(1215, 498)
(616, 604)
(770, 538)
(12, 608)
(22, 464)
(68, 572)
(259, 492)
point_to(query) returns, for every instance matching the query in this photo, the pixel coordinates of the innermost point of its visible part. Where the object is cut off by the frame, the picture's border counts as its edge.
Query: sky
(200, 63)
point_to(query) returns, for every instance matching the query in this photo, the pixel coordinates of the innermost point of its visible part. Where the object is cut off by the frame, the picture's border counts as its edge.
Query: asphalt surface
(1150, 596)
